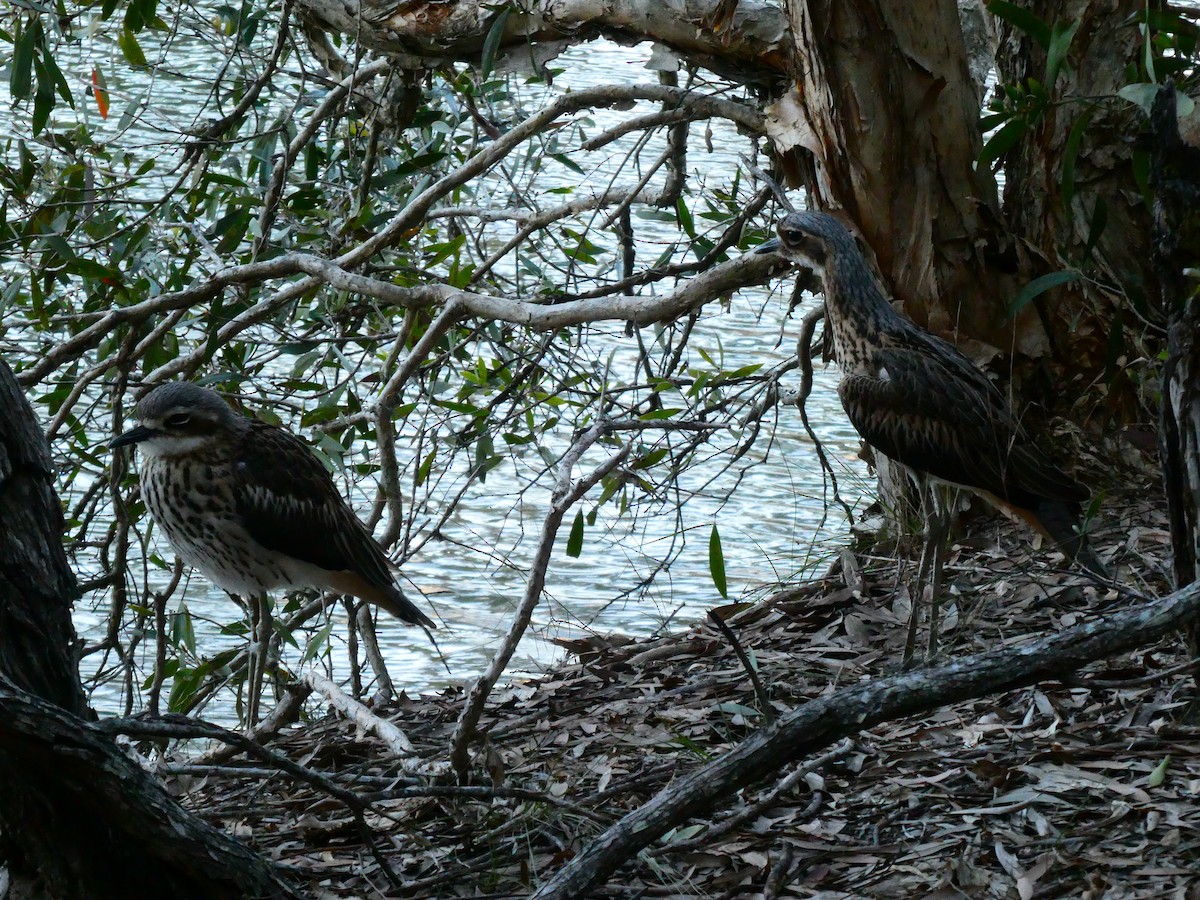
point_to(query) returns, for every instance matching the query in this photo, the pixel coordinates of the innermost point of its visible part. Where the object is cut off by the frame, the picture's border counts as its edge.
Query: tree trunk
(886, 105)
(37, 586)
(1175, 180)
(1070, 190)
(78, 818)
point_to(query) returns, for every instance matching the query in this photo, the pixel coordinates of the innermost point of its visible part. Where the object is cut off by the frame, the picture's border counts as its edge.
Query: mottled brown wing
(936, 413)
(295, 508)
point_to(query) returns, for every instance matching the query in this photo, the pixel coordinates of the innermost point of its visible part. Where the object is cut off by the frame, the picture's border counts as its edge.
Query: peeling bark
(753, 48)
(888, 111)
(1056, 233)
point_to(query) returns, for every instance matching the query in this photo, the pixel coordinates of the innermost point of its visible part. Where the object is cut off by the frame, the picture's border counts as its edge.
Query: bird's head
(811, 239)
(180, 418)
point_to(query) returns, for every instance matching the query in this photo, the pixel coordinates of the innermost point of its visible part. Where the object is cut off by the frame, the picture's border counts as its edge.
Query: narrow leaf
(575, 541)
(129, 45)
(685, 218)
(1021, 19)
(491, 44)
(1160, 772)
(1002, 141)
(1071, 154)
(1056, 54)
(20, 73)
(100, 91)
(43, 98)
(716, 562)
(1038, 287)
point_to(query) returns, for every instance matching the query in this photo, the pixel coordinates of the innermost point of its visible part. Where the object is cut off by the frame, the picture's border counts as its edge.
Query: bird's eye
(792, 236)
(177, 420)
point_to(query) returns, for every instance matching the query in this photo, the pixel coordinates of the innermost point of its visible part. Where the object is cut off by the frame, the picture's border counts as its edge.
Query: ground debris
(1081, 789)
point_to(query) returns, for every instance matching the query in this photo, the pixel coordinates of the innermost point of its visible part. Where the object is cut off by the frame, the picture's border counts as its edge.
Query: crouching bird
(250, 506)
(917, 400)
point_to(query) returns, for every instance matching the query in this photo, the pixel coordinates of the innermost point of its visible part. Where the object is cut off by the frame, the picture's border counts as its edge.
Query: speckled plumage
(250, 506)
(915, 398)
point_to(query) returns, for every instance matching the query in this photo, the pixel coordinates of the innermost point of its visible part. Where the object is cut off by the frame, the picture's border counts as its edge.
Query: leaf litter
(1083, 789)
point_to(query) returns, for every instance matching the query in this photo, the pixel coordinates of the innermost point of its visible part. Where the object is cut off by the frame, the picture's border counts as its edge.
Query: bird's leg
(260, 625)
(939, 534)
(917, 591)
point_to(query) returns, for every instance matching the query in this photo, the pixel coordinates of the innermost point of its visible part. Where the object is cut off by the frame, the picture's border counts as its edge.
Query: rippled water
(772, 529)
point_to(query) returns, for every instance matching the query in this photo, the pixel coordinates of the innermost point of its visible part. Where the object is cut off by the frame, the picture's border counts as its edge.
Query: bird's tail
(392, 600)
(1060, 522)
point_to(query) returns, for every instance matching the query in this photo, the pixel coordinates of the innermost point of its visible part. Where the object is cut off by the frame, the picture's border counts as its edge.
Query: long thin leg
(917, 589)
(260, 624)
(939, 528)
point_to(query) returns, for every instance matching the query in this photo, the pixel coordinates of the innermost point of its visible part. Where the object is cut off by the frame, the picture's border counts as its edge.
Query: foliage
(159, 223)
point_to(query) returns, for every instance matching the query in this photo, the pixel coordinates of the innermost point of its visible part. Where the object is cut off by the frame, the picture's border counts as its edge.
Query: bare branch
(566, 492)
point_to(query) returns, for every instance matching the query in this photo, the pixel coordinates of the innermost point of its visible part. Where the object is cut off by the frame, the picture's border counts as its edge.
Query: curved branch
(394, 232)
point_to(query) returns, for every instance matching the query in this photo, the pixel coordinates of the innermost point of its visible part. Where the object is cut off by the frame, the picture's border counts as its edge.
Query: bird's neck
(857, 311)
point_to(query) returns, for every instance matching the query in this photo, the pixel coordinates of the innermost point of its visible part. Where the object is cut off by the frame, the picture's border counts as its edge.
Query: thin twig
(808, 326)
(759, 691)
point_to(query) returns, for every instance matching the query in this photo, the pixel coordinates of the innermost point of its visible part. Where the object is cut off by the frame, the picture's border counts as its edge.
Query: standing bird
(250, 506)
(917, 400)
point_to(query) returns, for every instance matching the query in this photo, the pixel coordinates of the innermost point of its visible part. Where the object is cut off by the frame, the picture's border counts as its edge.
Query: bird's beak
(133, 436)
(771, 246)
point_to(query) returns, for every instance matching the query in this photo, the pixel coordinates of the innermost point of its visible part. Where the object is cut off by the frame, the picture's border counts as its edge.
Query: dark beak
(133, 436)
(771, 246)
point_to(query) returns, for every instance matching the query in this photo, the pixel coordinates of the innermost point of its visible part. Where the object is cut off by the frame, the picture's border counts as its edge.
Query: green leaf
(183, 634)
(318, 641)
(1160, 772)
(685, 218)
(184, 686)
(426, 467)
(987, 123)
(20, 74)
(1039, 286)
(1002, 141)
(1056, 54)
(129, 45)
(491, 44)
(1021, 19)
(575, 541)
(1142, 94)
(43, 99)
(1071, 154)
(657, 414)
(716, 562)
